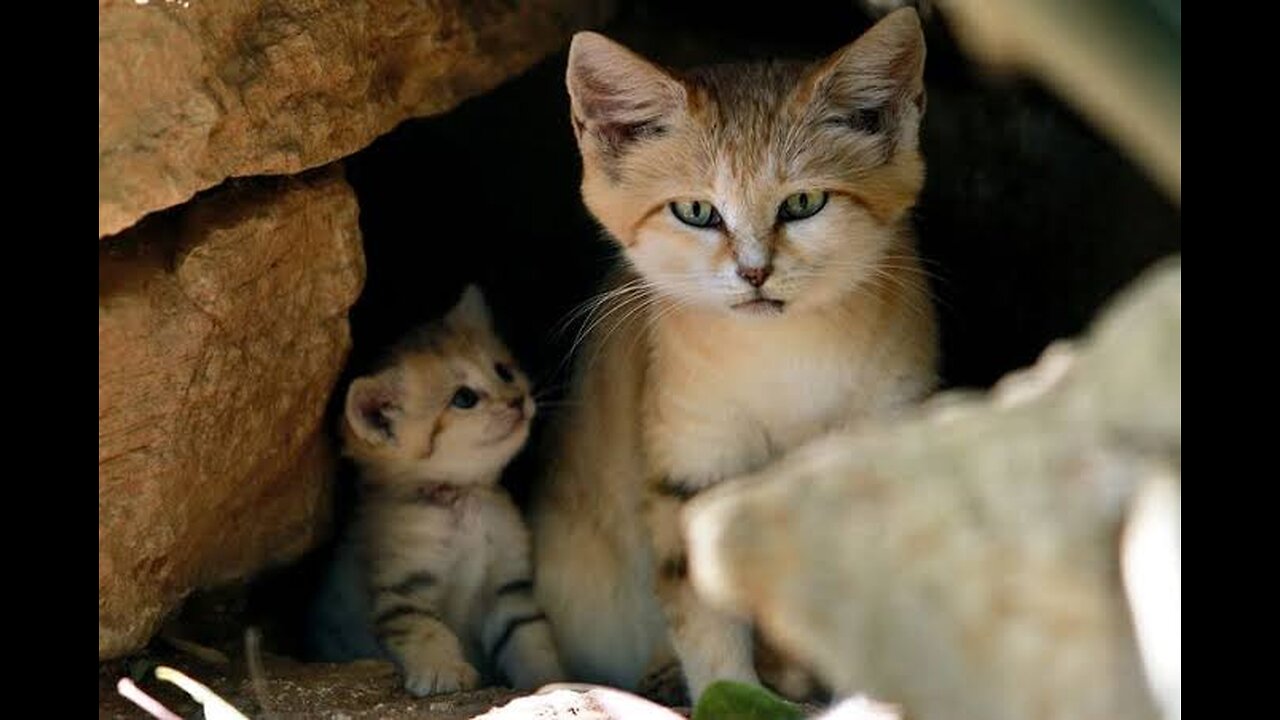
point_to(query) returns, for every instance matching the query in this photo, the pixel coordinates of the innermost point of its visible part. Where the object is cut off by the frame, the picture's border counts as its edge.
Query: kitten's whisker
(542, 393)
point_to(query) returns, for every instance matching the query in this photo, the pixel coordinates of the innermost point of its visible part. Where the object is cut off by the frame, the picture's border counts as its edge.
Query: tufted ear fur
(471, 310)
(373, 406)
(617, 97)
(875, 85)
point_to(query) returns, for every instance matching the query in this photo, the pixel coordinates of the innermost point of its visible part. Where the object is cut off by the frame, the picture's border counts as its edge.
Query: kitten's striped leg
(426, 650)
(517, 637)
(711, 645)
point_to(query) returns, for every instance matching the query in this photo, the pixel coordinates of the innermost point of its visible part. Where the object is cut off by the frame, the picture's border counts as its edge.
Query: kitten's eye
(504, 372)
(698, 213)
(465, 398)
(802, 205)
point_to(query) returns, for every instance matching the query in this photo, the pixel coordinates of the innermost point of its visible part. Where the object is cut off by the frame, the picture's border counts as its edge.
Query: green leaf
(725, 700)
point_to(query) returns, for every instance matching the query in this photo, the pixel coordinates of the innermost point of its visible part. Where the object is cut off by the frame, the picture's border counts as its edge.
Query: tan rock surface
(221, 330)
(191, 92)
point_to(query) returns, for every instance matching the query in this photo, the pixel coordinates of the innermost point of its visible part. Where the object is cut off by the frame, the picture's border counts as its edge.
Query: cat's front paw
(446, 677)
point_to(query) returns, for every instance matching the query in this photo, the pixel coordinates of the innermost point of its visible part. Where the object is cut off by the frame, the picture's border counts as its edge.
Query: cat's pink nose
(755, 275)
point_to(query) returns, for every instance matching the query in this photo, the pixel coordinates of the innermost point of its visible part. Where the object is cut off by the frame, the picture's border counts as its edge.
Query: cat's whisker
(902, 290)
(915, 275)
(620, 294)
(915, 259)
(620, 321)
(911, 270)
(593, 303)
(671, 307)
(624, 303)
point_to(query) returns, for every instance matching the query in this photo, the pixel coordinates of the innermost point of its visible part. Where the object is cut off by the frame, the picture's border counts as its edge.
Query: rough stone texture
(966, 563)
(221, 330)
(192, 92)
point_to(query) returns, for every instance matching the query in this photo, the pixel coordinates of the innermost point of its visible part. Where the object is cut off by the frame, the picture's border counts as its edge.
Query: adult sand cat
(771, 293)
(436, 572)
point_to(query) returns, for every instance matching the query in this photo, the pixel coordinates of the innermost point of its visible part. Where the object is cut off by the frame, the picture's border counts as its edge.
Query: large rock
(191, 92)
(990, 558)
(221, 330)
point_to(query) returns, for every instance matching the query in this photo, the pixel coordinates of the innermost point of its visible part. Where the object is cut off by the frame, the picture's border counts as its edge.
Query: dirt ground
(354, 691)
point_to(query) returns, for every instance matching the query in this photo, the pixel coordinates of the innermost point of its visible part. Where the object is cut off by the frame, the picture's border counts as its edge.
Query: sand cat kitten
(436, 573)
(771, 294)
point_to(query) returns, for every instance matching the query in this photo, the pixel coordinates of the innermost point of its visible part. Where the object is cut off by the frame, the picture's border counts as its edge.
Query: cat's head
(452, 405)
(755, 189)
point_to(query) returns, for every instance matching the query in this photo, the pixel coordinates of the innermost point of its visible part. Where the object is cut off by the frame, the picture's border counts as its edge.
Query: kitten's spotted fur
(745, 322)
(436, 573)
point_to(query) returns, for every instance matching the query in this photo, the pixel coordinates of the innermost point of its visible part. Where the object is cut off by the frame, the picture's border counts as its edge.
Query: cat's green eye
(698, 213)
(802, 205)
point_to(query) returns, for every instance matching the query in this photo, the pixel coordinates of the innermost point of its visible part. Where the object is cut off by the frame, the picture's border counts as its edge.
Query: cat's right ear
(616, 96)
(875, 85)
(373, 405)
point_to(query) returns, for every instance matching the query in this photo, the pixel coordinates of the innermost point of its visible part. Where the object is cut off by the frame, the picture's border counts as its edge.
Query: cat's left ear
(616, 97)
(471, 310)
(875, 85)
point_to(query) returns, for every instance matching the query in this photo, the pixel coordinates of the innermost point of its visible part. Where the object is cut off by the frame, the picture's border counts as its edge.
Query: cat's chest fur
(726, 400)
(457, 538)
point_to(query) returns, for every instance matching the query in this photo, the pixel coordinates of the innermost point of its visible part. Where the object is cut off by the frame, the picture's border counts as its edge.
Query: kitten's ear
(471, 309)
(875, 85)
(373, 406)
(616, 96)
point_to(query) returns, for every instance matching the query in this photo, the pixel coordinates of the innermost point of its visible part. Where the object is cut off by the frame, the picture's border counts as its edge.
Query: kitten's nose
(517, 404)
(755, 275)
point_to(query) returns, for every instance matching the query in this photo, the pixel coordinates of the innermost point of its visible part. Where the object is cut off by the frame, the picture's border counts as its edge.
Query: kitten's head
(755, 189)
(451, 406)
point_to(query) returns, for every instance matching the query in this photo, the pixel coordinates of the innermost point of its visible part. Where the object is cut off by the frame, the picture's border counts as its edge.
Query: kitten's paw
(446, 677)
